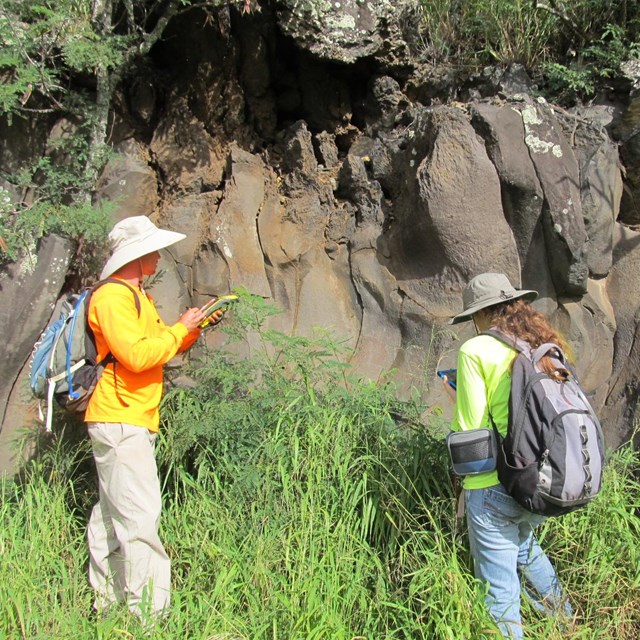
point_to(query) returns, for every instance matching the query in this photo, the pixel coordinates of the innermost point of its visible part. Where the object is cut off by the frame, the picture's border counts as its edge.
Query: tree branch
(559, 11)
(152, 37)
(128, 5)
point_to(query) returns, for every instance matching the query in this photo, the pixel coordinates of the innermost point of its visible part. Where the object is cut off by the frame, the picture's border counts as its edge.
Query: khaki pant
(127, 560)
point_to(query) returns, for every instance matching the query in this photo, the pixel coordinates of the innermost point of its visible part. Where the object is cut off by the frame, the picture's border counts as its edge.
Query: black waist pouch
(472, 452)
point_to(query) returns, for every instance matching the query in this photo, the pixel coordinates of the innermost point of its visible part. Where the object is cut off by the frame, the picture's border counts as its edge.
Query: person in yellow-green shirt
(128, 562)
(501, 532)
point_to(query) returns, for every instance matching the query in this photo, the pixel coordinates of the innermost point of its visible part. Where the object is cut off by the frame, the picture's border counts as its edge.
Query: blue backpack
(64, 362)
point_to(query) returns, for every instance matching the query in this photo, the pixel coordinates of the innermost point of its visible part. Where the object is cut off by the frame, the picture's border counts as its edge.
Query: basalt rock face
(333, 177)
(29, 290)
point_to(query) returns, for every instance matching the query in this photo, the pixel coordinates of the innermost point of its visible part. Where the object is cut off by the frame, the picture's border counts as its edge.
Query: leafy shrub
(568, 83)
(568, 47)
(593, 66)
(246, 416)
(301, 502)
(57, 202)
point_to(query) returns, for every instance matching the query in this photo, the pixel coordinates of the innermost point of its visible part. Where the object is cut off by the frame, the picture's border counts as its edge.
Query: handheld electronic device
(450, 375)
(220, 303)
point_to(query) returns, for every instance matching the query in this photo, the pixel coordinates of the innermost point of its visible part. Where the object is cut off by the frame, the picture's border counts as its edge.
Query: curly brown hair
(521, 320)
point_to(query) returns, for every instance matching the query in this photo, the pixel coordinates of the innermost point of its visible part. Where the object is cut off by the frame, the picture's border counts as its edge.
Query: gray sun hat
(486, 290)
(134, 237)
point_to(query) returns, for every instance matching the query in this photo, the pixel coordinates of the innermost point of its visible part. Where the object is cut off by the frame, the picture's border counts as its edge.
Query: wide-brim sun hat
(134, 237)
(487, 290)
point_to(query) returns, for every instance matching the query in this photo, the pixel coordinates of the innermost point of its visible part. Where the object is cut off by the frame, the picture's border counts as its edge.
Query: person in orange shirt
(128, 562)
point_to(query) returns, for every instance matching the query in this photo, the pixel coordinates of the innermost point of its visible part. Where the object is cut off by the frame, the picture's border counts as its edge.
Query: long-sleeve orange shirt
(130, 390)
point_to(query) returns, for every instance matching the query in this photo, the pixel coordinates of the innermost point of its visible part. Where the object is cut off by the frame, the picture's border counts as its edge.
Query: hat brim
(159, 239)
(527, 294)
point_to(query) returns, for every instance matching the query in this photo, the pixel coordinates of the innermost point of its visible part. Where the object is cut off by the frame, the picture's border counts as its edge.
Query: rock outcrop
(307, 166)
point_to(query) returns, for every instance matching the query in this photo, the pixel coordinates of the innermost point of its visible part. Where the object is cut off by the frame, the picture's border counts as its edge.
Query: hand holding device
(450, 375)
(191, 318)
(215, 308)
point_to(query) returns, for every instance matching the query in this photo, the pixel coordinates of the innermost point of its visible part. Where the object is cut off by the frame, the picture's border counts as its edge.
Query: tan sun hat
(134, 237)
(486, 290)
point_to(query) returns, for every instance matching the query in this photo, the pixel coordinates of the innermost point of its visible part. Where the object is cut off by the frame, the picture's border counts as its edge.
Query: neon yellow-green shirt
(483, 385)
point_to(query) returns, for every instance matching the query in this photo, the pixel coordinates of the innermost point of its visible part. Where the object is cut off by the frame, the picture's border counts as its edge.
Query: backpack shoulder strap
(511, 341)
(549, 348)
(109, 358)
(110, 280)
(91, 290)
(534, 355)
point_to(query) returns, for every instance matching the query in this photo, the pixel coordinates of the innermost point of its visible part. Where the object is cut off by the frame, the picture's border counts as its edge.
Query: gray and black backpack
(551, 460)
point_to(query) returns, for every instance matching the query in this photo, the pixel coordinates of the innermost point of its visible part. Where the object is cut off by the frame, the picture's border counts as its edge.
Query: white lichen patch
(59, 265)
(530, 115)
(58, 270)
(567, 210)
(220, 241)
(542, 146)
(342, 22)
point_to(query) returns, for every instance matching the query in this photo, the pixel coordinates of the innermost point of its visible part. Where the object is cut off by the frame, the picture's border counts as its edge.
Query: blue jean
(504, 548)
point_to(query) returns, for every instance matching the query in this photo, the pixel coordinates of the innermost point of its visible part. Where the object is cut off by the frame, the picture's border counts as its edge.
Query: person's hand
(451, 392)
(191, 318)
(215, 317)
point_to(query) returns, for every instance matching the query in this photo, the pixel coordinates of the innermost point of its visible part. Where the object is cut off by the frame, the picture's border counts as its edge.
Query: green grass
(315, 551)
(570, 48)
(298, 508)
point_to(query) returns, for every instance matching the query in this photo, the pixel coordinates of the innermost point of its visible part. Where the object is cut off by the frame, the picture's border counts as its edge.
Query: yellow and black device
(219, 303)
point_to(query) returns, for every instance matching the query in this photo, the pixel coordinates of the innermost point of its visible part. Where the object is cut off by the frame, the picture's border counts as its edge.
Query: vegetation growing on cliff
(66, 59)
(571, 48)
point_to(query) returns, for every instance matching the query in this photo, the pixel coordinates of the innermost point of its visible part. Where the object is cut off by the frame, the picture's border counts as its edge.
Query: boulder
(232, 229)
(128, 182)
(503, 131)
(448, 223)
(562, 220)
(347, 31)
(601, 191)
(624, 385)
(33, 285)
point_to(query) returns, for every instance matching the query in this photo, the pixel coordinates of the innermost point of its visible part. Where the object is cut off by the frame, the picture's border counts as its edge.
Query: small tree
(50, 50)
